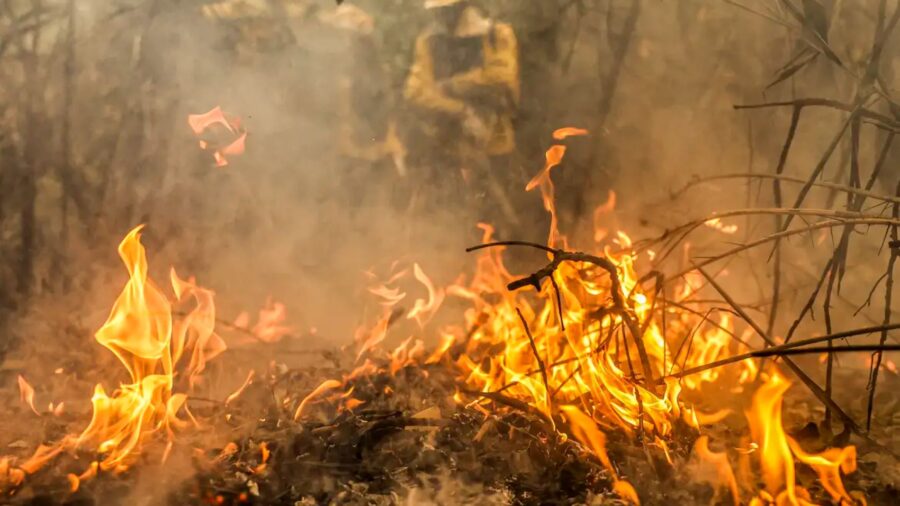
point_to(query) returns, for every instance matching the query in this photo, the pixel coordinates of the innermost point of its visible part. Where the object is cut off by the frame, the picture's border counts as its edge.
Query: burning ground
(594, 379)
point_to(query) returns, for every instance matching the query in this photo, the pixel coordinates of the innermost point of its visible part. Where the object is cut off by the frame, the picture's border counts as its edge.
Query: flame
(554, 157)
(600, 214)
(585, 430)
(140, 332)
(777, 452)
(269, 327)
(263, 459)
(200, 123)
(237, 393)
(325, 386)
(766, 428)
(566, 132)
(26, 394)
(722, 476)
(716, 224)
(423, 309)
(215, 116)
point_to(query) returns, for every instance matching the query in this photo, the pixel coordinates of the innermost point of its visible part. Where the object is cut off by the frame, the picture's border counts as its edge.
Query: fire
(601, 212)
(200, 123)
(26, 394)
(777, 452)
(722, 476)
(324, 387)
(269, 326)
(141, 332)
(716, 224)
(425, 308)
(554, 157)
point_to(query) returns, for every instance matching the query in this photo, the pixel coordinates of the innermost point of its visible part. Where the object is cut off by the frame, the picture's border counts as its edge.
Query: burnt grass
(408, 438)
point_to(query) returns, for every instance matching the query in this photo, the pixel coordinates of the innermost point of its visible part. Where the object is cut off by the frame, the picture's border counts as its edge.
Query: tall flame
(777, 452)
(141, 333)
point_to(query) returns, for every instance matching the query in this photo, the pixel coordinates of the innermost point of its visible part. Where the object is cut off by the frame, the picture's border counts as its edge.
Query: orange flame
(237, 393)
(716, 224)
(199, 123)
(777, 451)
(600, 213)
(141, 334)
(723, 475)
(325, 386)
(423, 309)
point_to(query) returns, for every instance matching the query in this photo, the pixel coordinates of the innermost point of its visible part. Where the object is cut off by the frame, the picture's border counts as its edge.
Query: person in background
(259, 25)
(464, 86)
(367, 141)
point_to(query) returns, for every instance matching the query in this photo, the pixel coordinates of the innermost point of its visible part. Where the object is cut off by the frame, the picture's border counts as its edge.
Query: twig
(560, 256)
(850, 348)
(783, 178)
(512, 403)
(801, 196)
(796, 344)
(816, 226)
(881, 119)
(810, 302)
(776, 189)
(810, 384)
(537, 356)
(888, 291)
(559, 309)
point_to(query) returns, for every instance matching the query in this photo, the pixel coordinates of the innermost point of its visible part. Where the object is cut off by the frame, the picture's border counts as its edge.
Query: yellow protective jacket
(495, 73)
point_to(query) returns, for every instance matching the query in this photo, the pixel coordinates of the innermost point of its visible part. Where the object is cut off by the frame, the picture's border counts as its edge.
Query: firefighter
(464, 82)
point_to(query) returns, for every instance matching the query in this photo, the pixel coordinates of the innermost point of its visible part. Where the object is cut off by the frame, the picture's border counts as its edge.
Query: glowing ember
(716, 224)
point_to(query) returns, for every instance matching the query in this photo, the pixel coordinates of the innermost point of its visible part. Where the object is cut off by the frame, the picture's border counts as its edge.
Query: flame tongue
(140, 332)
(777, 451)
(139, 327)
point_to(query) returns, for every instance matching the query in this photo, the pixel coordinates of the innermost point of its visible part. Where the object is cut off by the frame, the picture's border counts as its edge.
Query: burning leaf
(200, 123)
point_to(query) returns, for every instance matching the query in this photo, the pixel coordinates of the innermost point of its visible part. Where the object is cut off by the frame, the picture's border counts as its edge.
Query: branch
(789, 179)
(810, 384)
(881, 119)
(558, 257)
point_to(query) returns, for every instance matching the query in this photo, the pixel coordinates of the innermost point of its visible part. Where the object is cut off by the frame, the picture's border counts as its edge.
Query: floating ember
(231, 142)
